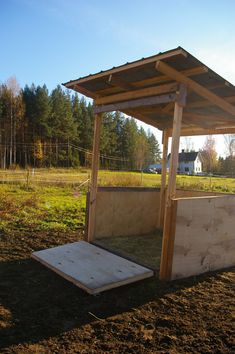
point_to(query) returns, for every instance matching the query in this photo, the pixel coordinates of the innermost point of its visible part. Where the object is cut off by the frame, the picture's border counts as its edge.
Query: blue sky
(53, 41)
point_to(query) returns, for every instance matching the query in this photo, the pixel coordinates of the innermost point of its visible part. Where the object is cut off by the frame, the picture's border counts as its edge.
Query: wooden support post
(171, 205)
(94, 175)
(163, 177)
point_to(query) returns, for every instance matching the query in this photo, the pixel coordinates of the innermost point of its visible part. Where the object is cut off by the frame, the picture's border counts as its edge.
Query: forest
(39, 128)
(42, 129)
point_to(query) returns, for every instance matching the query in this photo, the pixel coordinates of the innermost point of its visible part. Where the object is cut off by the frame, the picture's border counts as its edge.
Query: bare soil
(41, 312)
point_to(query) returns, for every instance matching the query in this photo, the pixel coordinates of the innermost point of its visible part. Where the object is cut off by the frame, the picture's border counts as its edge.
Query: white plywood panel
(90, 267)
(205, 235)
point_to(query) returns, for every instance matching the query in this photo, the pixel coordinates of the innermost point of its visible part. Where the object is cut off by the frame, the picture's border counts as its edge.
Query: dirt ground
(42, 313)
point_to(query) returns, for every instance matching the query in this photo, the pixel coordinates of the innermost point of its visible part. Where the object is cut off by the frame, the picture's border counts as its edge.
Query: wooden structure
(174, 92)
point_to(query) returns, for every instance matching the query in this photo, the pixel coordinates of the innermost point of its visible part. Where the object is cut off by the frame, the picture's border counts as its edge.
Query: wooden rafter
(151, 81)
(130, 95)
(199, 89)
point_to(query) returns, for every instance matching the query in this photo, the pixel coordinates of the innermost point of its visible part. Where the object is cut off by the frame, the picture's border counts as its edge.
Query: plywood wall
(126, 211)
(204, 236)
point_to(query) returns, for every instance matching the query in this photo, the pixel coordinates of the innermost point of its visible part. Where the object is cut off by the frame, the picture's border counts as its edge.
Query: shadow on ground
(41, 304)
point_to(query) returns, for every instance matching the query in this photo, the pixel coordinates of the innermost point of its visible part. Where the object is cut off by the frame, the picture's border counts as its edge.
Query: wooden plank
(125, 67)
(199, 89)
(204, 236)
(94, 176)
(131, 95)
(90, 267)
(163, 177)
(141, 102)
(168, 234)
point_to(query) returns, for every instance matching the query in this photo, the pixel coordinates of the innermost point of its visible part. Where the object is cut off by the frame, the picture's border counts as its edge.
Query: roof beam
(141, 102)
(199, 89)
(130, 95)
(151, 81)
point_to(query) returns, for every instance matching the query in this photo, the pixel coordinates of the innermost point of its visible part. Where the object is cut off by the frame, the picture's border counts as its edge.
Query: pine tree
(130, 138)
(63, 127)
(154, 152)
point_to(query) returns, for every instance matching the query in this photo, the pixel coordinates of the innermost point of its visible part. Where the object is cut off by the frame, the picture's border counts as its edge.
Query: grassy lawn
(41, 208)
(55, 200)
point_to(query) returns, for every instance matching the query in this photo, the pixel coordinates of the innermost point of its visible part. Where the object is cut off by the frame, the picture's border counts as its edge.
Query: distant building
(189, 163)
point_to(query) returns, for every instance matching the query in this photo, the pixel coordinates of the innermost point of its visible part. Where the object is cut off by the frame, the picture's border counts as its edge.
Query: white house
(189, 162)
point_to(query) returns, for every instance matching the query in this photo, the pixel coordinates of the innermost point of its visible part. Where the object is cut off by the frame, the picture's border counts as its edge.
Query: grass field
(41, 312)
(55, 199)
(75, 177)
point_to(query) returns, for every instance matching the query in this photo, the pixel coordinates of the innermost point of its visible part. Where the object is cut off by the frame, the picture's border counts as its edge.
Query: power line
(67, 145)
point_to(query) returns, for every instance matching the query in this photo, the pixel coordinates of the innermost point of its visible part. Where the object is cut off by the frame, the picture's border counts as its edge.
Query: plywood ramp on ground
(91, 268)
(204, 236)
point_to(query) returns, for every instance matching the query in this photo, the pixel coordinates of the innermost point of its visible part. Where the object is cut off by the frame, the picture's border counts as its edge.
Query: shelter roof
(147, 88)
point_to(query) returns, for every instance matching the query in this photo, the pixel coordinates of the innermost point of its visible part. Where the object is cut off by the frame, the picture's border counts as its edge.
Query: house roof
(210, 102)
(187, 156)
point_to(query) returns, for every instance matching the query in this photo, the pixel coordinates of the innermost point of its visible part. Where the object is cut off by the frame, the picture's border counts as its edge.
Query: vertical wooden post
(94, 175)
(171, 205)
(163, 177)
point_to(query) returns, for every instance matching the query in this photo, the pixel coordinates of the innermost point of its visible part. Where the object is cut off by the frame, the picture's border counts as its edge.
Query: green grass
(41, 208)
(74, 177)
(52, 199)
(215, 184)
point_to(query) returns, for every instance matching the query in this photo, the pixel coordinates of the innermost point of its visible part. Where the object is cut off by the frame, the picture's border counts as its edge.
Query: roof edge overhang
(127, 66)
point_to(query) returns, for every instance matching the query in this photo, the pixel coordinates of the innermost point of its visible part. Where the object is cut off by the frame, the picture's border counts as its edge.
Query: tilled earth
(42, 313)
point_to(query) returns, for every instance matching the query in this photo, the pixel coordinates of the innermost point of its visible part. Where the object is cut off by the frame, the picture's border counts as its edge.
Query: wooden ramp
(90, 267)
